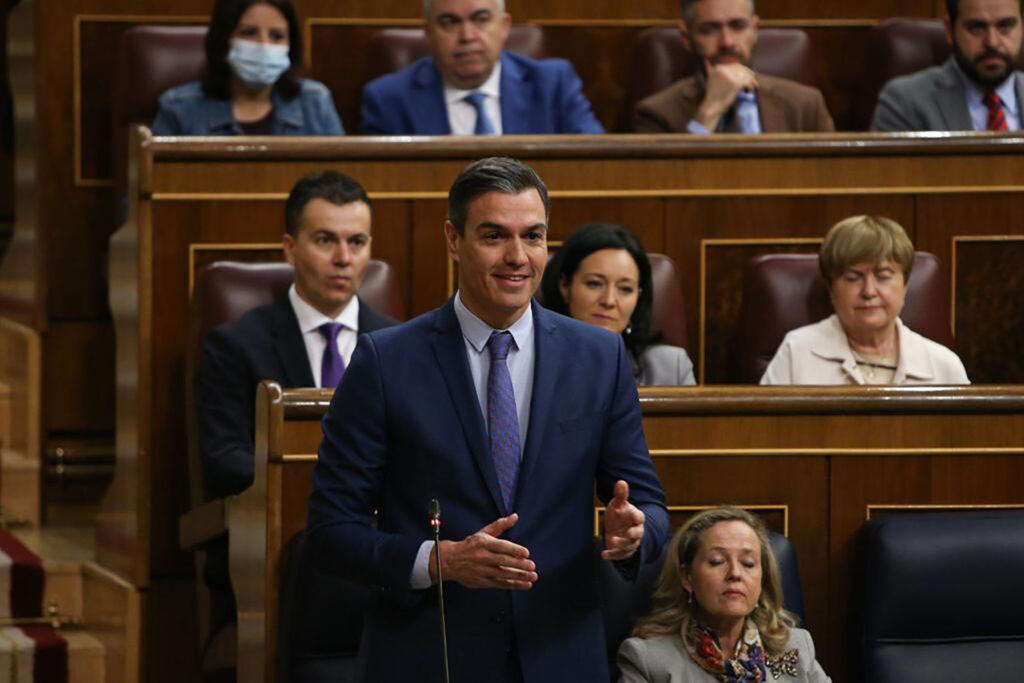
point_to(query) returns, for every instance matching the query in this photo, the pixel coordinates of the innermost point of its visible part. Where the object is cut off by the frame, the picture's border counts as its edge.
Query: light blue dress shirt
(521, 357)
(1007, 91)
(746, 111)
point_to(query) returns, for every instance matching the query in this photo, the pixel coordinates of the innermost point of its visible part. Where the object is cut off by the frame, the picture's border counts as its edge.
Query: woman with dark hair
(253, 53)
(601, 275)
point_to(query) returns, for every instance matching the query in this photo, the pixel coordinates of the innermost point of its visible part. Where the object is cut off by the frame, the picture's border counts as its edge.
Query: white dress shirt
(521, 361)
(462, 114)
(975, 94)
(310, 321)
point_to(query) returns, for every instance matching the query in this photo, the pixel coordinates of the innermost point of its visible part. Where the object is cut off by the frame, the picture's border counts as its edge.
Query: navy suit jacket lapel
(289, 347)
(429, 109)
(547, 359)
(517, 107)
(450, 351)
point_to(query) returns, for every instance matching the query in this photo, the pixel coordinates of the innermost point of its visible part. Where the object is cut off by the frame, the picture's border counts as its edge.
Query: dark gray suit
(932, 99)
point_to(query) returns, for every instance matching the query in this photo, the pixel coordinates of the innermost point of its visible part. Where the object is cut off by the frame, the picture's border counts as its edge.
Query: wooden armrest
(203, 524)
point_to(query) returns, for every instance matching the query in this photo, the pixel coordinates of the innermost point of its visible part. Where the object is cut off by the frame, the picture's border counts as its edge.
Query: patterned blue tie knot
(484, 126)
(500, 343)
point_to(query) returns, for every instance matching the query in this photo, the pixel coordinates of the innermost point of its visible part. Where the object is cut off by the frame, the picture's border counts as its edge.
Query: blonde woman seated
(717, 611)
(866, 263)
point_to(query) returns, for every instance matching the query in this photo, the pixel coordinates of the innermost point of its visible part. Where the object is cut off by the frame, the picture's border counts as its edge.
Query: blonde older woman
(717, 611)
(866, 262)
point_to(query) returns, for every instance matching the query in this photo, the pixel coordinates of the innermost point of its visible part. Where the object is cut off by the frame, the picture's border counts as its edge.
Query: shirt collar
(491, 87)
(1006, 90)
(311, 319)
(478, 333)
(914, 359)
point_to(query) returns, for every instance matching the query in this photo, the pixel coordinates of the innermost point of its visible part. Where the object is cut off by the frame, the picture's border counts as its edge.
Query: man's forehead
(986, 9)
(343, 219)
(721, 10)
(461, 7)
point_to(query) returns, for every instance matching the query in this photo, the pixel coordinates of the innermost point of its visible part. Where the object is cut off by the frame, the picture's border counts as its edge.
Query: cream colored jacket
(820, 354)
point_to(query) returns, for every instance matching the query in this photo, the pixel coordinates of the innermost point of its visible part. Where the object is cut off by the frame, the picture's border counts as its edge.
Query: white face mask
(258, 64)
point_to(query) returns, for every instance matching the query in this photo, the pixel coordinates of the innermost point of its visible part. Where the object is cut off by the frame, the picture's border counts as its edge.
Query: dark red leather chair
(224, 291)
(667, 311)
(782, 292)
(150, 60)
(394, 48)
(660, 59)
(898, 47)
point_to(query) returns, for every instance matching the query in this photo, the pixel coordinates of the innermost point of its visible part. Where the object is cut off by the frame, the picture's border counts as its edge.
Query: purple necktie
(333, 365)
(502, 419)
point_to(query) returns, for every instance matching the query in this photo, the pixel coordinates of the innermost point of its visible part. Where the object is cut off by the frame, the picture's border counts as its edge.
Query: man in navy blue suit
(470, 85)
(508, 414)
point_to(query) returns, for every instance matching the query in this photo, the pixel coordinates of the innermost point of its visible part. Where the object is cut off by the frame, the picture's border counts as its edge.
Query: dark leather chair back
(667, 313)
(660, 59)
(150, 60)
(782, 292)
(939, 597)
(623, 602)
(395, 48)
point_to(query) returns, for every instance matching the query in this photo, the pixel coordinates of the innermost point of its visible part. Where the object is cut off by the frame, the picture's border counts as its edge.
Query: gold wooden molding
(872, 507)
(832, 452)
(702, 295)
(76, 85)
(196, 247)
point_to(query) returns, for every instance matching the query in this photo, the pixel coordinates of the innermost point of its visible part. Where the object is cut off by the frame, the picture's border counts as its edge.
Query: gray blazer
(932, 99)
(663, 365)
(663, 659)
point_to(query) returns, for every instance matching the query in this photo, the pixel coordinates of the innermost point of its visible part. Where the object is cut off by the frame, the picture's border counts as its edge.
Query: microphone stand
(435, 525)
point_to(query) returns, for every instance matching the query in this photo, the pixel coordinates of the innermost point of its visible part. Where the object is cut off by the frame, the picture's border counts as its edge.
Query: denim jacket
(186, 110)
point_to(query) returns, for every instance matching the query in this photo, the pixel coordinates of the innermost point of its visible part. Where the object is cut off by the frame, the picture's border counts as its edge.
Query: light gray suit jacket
(932, 99)
(663, 659)
(663, 365)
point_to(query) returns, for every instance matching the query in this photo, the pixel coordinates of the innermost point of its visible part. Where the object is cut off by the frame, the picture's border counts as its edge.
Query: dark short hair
(493, 174)
(686, 9)
(953, 9)
(332, 186)
(581, 244)
(223, 22)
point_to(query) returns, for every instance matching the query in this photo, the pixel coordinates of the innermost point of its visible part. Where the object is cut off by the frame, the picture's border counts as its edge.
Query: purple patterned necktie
(332, 367)
(502, 419)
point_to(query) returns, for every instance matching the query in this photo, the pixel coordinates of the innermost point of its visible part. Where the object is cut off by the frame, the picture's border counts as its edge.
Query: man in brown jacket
(726, 95)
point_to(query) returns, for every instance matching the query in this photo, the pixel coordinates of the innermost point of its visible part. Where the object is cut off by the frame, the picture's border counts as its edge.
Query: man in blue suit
(470, 85)
(508, 414)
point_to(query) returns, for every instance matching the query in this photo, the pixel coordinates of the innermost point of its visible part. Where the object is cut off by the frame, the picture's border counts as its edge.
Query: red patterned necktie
(996, 113)
(502, 418)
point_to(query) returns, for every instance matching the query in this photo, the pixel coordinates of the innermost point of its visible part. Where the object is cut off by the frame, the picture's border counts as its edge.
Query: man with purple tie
(302, 340)
(512, 417)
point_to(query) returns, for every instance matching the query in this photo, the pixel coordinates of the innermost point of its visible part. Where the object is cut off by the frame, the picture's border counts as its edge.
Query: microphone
(434, 510)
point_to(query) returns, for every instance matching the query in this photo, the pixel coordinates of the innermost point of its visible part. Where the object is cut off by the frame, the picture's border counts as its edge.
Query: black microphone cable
(435, 525)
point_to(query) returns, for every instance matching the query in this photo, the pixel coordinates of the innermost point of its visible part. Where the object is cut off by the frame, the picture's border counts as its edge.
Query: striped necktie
(996, 113)
(484, 126)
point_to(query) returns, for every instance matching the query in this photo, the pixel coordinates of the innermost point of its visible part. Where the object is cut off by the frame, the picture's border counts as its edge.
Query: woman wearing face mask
(601, 275)
(253, 50)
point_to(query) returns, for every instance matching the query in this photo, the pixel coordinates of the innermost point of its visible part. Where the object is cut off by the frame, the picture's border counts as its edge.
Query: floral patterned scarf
(747, 663)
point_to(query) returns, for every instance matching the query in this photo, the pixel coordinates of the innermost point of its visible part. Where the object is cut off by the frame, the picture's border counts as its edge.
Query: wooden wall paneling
(112, 610)
(988, 287)
(644, 216)
(432, 275)
(858, 482)
(393, 241)
(6, 136)
(20, 452)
